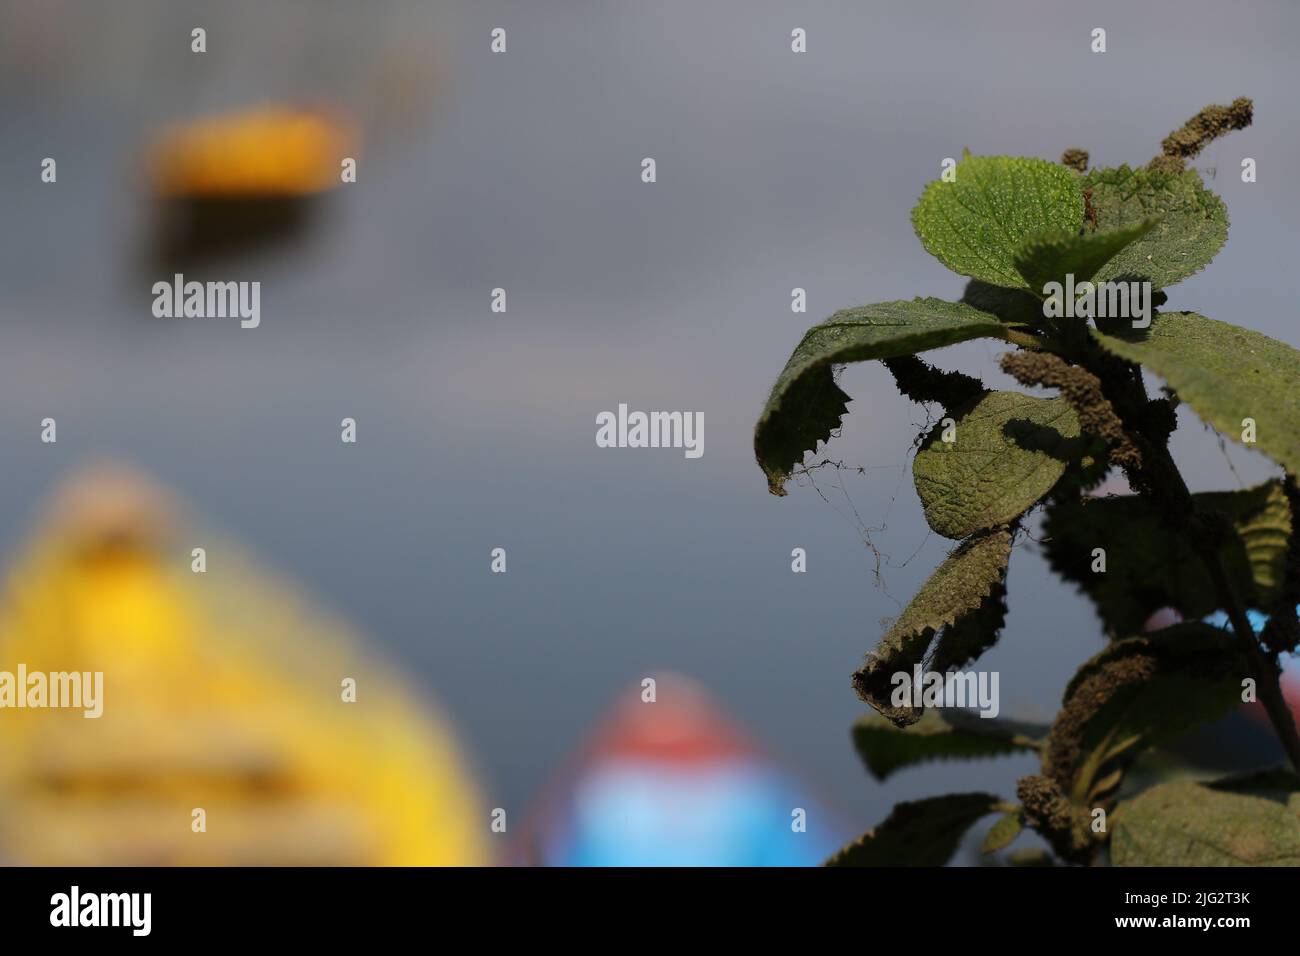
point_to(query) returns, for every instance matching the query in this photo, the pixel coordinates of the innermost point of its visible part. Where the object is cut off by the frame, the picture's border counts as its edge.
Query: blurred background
(476, 429)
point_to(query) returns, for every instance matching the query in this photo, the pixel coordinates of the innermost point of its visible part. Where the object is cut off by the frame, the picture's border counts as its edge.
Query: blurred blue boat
(675, 783)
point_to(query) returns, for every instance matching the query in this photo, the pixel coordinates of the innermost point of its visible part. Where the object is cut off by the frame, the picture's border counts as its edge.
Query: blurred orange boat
(267, 151)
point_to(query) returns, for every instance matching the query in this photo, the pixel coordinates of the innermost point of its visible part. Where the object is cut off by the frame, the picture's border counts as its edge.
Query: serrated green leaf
(1192, 824)
(1263, 522)
(974, 224)
(1003, 833)
(1193, 222)
(920, 833)
(970, 636)
(1135, 693)
(960, 587)
(1149, 566)
(1009, 451)
(1050, 256)
(938, 735)
(806, 406)
(1226, 374)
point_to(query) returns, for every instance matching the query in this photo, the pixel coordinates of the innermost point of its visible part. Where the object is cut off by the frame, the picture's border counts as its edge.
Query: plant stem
(1268, 676)
(1168, 481)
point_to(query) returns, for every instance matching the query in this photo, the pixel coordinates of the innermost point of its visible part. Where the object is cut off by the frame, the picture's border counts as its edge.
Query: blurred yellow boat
(222, 693)
(270, 151)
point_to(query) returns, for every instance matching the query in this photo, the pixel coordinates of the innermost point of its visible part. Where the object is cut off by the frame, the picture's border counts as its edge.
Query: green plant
(1029, 234)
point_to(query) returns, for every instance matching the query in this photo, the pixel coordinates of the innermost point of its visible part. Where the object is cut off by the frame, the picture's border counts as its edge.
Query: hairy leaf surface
(1192, 226)
(1050, 256)
(1192, 824)
(975, 224)
(1226, 374)
(1009, 451)
(960, 587)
